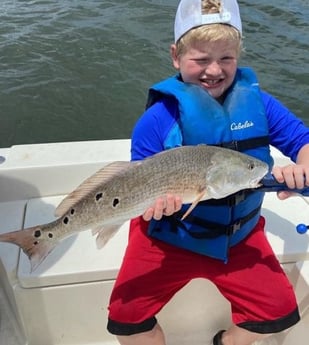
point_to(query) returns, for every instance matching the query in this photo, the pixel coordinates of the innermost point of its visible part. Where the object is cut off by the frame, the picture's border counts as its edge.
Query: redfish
(124, 190)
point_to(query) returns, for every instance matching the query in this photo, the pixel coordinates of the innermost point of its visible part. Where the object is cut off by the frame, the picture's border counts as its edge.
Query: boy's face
(212, 65)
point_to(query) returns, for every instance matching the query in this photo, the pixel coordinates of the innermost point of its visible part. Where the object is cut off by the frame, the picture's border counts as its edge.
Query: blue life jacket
(240, 123)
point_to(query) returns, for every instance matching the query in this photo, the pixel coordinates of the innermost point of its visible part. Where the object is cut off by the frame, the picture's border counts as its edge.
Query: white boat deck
(64, 301)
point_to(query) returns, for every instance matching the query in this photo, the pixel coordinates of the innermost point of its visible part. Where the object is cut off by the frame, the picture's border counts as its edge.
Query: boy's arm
(147, 139)
(291, 136)
(303, 156)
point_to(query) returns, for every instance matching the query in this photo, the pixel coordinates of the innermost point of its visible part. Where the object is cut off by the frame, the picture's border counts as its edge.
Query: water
(80, 69)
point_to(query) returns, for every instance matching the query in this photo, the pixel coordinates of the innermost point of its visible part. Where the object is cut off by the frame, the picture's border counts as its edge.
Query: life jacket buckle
(232, 145)
(234, 227)
(237, 198)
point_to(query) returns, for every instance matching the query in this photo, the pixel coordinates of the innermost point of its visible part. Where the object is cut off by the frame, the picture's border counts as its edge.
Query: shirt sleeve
(152, 128)
(287, 132)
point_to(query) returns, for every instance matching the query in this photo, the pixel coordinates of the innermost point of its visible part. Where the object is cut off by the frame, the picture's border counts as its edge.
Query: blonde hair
(209, 32)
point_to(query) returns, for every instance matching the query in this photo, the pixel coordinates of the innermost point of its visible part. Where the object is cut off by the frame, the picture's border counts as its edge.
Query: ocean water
(80, 69)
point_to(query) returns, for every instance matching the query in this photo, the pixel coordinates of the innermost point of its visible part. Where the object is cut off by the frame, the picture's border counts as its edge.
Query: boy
(210, 101)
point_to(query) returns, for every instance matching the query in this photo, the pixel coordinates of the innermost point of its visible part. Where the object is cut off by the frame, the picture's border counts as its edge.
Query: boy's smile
(212, 65)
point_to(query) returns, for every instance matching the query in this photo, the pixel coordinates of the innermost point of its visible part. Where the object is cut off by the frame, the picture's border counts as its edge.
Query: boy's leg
(149, 277)
(153, 337)
(237, 336)
(263, 301)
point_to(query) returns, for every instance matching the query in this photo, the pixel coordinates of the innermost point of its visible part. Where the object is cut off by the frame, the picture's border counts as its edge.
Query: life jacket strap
(213, 230)
(246, 144)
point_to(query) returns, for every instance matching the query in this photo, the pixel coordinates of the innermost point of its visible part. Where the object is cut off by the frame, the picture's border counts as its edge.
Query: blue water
(79, 69)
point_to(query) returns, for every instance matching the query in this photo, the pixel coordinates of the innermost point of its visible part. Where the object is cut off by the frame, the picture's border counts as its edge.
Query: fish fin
(35, 248)
(104, 234)
(89, 185)
(200, 197)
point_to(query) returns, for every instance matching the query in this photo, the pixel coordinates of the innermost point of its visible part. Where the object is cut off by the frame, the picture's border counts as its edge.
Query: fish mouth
(256, 183)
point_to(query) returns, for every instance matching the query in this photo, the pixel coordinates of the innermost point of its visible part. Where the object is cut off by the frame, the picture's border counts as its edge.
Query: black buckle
(237, 198)
(234, 227)
(232, 145)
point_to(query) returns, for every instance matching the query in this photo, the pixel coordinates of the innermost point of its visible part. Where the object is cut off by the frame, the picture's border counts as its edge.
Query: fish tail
(33, 243)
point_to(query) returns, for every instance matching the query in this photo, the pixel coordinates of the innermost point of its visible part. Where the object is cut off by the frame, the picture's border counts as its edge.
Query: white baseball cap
(189, 15)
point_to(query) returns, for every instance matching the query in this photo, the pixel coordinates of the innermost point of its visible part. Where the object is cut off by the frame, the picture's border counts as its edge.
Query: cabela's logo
(238, 126)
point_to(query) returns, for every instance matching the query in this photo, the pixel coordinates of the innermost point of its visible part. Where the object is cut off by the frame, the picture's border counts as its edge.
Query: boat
(64, 301)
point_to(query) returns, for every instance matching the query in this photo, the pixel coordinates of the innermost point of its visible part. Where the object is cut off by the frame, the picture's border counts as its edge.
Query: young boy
(210, 101)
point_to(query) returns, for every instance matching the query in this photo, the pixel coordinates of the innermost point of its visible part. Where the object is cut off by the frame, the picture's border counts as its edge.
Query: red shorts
(262, 299)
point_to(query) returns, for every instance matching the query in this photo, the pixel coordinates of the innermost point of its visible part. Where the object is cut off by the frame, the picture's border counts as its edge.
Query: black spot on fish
(99, 196)
(115, 202)
(50, 235)
(36, 243)
(72, 211)
(37, 233)
(66, 220)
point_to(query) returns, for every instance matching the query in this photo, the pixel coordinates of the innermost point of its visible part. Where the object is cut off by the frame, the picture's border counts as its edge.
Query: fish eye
(37, 233)
(251, 166)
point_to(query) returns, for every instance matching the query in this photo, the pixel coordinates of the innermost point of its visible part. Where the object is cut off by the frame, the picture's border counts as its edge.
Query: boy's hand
(294, 175)
(164, 206)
